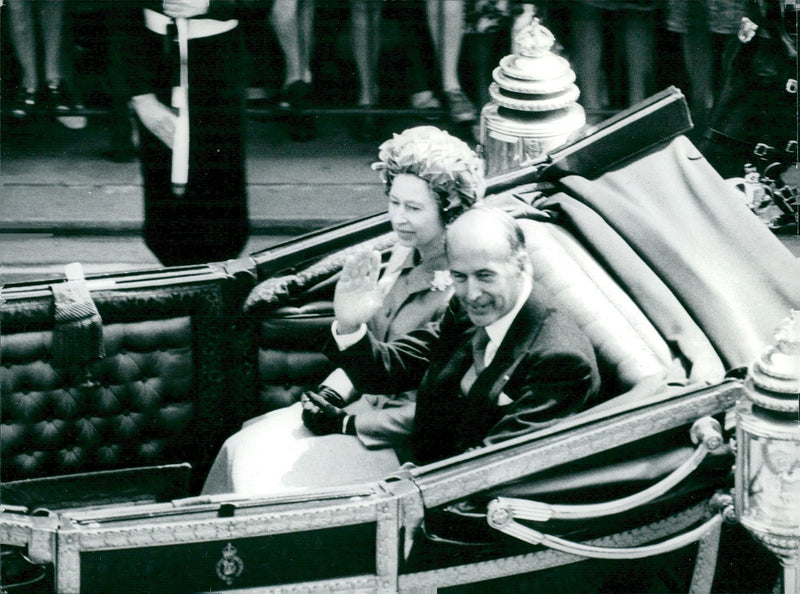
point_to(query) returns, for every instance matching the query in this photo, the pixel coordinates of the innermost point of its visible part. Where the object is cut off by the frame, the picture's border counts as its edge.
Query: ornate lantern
(533, 108)
(768, 450)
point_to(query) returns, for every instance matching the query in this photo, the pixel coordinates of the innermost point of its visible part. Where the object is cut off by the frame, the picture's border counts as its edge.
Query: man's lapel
(454, 367)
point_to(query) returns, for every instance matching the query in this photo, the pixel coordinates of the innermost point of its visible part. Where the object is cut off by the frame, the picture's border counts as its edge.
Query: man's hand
(357, 297)
(156, 117)
(322, 412)
(185, 9)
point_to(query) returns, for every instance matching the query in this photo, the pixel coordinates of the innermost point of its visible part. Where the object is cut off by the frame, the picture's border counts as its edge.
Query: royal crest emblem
(230, 566)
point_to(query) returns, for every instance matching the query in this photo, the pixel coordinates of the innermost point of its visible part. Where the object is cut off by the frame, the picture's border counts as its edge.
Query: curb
(272, 226)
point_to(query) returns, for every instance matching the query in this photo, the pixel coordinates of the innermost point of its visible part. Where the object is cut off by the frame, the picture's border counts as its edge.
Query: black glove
(323, 411)
(331, 396)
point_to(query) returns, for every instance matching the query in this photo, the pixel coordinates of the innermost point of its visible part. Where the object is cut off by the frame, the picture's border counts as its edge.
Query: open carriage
(678, 285)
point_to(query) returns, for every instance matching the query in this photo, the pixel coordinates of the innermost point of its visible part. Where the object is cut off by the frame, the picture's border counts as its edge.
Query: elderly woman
(335, 435)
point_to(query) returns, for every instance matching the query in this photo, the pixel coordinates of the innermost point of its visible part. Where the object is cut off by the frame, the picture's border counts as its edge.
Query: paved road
(56, 180)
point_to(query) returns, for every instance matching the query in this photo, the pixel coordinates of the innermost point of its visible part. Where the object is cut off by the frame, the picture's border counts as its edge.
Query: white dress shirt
(498, 329)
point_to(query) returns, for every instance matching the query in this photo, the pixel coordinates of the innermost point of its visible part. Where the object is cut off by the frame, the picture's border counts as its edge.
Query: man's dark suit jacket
(545, 364)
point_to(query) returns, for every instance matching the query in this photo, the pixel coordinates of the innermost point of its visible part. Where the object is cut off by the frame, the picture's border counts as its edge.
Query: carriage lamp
(533, 105)
(767, 496)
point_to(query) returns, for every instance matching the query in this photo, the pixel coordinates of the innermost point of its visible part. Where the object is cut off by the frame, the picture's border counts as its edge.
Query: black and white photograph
(399, 296)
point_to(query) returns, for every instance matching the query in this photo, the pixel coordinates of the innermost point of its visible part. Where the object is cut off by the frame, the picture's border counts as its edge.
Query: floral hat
(452, 169)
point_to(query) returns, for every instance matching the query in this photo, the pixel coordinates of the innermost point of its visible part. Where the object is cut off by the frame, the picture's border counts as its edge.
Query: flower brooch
(441, 280)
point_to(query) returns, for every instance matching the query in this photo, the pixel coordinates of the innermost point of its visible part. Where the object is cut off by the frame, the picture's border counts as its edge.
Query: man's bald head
(489, 224)
(488, 262)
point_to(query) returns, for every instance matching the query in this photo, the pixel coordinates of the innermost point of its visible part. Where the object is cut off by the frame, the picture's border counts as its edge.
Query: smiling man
(503, 362)
(489, 265)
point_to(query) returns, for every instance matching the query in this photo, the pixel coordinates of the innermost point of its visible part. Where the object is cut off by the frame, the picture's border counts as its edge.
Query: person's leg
(587, 53)
(446, 24)
(57, 71)
(305, 15)
(365, 22)
(23, 38)
(283, 18)
(640, 45)
(365, 42)
(51, 16)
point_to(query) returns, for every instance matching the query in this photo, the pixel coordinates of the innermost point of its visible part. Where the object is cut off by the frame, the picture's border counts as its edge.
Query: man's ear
(524, 261)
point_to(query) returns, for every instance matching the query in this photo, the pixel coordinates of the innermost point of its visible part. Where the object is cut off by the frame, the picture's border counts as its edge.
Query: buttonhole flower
(747, 30)
(441, 280)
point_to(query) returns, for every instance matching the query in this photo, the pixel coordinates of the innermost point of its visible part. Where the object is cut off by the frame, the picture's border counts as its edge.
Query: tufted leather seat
(132, 406)
(167, 392)
(289, 352)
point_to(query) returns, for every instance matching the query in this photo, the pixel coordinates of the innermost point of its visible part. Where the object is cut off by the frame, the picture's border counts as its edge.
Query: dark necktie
(479, 342)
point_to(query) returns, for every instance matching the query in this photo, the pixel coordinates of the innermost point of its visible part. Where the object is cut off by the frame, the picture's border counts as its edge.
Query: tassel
(78, 330)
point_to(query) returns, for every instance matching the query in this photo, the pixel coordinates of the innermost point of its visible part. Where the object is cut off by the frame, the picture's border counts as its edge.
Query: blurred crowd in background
(432, 56)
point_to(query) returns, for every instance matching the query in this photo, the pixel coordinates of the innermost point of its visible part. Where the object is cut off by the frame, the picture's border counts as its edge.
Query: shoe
(262, 98)
(425, 100)
(459, 106)
(24, 103)
(296, 95)
(63, 104)
(427, 103)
